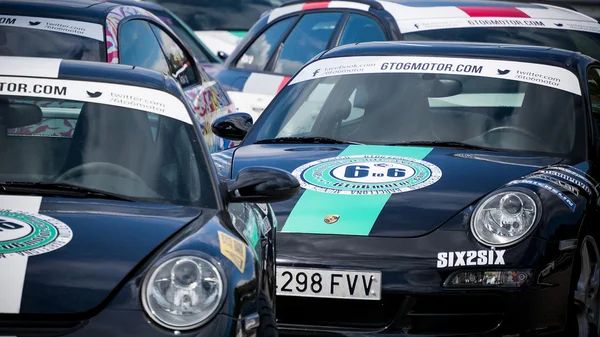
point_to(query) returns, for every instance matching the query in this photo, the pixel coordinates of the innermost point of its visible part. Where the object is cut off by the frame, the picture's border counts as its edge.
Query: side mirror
(233, 126)
(17, 115)
(222, 55)
(262, 185)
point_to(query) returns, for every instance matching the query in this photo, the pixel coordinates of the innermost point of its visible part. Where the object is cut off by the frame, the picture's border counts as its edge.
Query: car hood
(219, 40)
(437, 183)
(89, 248)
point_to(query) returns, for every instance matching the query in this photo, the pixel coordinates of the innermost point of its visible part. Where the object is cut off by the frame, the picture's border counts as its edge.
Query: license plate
(326, 283)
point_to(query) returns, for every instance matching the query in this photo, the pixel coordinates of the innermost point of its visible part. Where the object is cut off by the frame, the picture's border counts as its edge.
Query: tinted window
(587, 43)
(181, 67)
(308, 38)
(186, 35)
(361, 28)
(219, 14)
(257, 56)
(138, 47)
(594, 92)
(130, 158)
(15, 41)
(391, 108)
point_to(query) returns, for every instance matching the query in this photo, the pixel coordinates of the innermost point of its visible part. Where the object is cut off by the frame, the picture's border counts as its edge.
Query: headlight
(183, 292)
(505, 218)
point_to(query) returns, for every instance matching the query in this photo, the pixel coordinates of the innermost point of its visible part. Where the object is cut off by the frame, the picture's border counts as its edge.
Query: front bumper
(414, 300)
(116, 323)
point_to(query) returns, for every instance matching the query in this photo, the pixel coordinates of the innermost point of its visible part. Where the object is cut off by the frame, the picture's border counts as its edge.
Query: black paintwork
(92, 286)
(414, 226)
(232, 126)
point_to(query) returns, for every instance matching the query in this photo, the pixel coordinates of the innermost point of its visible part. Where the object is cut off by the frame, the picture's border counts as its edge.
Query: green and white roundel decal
(367, 174)
(26, 234)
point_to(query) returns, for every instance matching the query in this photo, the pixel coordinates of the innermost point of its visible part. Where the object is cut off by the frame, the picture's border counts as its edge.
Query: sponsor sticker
(233, 249)
(125, 96)
(547, 187)
(541, 74)
(570, 179)
(79, 28)
(356, 213)
(266, 226)
(29, 234)
(470, 258)
(572, 189)
(427, 24)
(367, 175)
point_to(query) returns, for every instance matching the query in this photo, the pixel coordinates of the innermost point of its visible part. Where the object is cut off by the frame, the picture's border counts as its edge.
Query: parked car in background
(122, 226)
(289, 36)
(588, 7)
(102, 31)
(448, 189)
(207, 59)
(219, 24)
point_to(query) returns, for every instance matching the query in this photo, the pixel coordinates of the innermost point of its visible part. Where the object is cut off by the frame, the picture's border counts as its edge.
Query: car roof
(93, 11)
(151, 6)
(77, 70)
(438, 9)
(535, 54)
(79, 10)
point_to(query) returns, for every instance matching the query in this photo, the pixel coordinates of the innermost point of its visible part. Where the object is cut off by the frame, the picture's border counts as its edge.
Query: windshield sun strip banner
(347, 211)
(418, 25)
(550, 76)
(86, 29)
(13, 268)
(145, 99)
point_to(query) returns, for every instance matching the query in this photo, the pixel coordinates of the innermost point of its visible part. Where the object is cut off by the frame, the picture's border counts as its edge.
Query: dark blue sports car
(122, 227)
(447, 189)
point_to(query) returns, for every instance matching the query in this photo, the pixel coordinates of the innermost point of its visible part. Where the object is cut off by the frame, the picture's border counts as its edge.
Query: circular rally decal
(367, 174)
(26, 234)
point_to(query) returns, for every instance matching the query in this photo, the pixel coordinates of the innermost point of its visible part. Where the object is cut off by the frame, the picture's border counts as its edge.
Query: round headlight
(504, 218)
(183, 292)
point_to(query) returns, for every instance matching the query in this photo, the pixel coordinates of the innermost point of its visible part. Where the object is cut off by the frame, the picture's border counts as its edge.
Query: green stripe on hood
(357, 212)
(238, 33)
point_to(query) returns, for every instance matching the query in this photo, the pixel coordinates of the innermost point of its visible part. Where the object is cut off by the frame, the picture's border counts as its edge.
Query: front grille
(338, 313)
(452, 314)
(38, 327)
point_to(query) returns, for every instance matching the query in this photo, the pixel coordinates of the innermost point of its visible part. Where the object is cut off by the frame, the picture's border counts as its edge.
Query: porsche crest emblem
(331, 219)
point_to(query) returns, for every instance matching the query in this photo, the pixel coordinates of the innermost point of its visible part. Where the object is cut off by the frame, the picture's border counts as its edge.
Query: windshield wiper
(59, 189)
(316, 140)
(440, 143)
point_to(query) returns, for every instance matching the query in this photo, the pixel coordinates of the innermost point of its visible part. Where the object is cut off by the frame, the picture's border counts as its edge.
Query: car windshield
(496, 105)
(131, 142)
(72, 40)
(582, 41)
(234, 15)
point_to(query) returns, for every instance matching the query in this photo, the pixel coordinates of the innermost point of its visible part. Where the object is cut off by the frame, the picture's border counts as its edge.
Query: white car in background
(221, 24)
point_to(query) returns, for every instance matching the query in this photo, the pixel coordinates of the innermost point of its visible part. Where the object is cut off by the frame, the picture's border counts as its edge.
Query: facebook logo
(316, 72)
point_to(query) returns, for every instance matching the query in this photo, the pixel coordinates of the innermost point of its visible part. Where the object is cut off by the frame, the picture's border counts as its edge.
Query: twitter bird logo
(503, 72)
(34, 23)
(94, 94)
(558, 24)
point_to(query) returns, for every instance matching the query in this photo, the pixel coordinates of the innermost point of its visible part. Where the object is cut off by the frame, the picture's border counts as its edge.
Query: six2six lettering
(470, 258)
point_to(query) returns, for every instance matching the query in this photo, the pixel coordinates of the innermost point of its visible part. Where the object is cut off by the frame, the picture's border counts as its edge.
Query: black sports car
(447, 189)
(122, 227)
